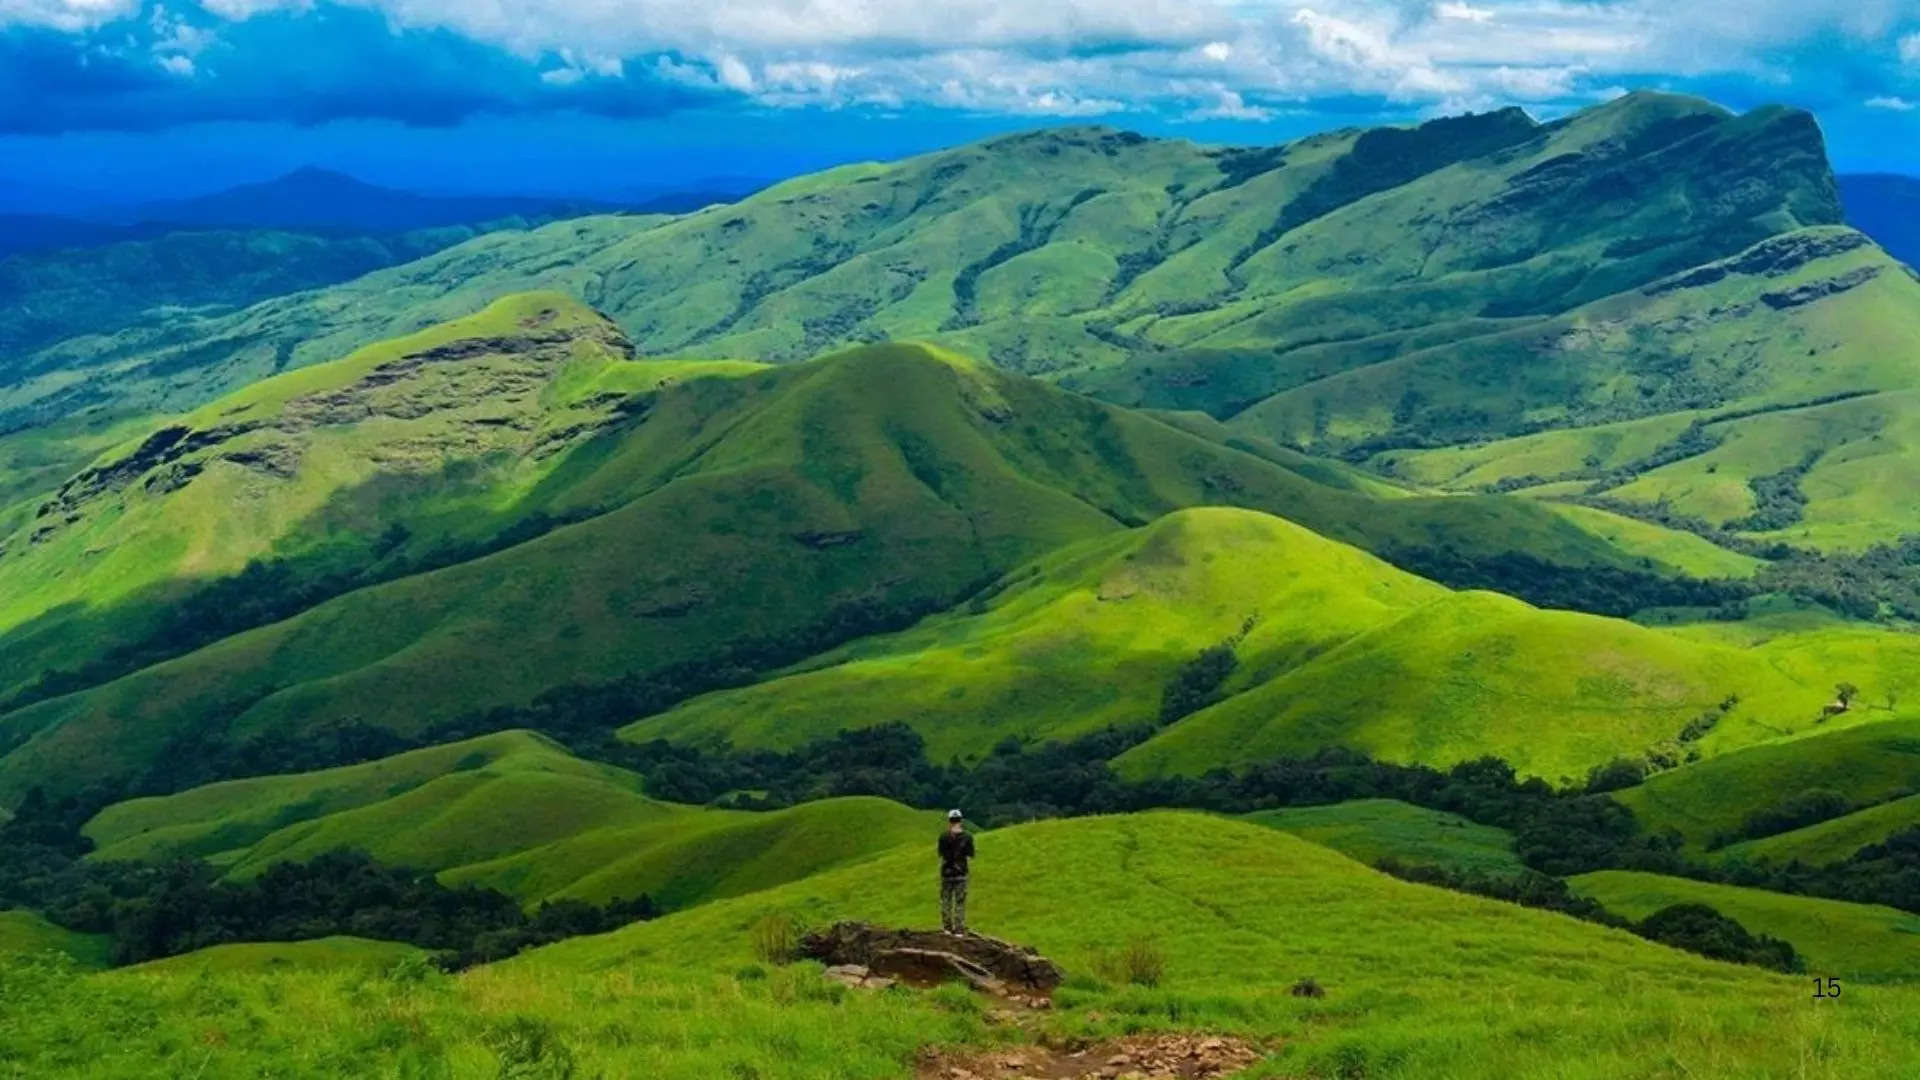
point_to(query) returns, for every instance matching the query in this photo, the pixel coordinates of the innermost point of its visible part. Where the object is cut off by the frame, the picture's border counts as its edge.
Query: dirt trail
(1171, 1056)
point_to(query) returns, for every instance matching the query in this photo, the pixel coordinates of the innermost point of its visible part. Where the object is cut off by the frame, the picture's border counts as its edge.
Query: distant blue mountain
(317, 200)
(41, 232)
(320, 199)
(1887, 208)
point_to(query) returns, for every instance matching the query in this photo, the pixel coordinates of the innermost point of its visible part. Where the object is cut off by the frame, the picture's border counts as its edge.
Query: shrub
(1141, 962)
(529, 1049)
(1807, 808)
(415, 968)
(776, 938)
(1196, 685)
(1701, 929)
(1616, 774)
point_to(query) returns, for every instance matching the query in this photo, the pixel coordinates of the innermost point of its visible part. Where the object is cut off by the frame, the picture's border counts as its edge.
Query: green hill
(1811, 380)
(1419, 982)
(517, 470)
(331, 954)
(1333, 647)
(1550, 692)
(1080, 640)
(511, 811)
(1373, 829)
(1870, 763)
(705, 855)
(1835, 938)
(26, 934)
(434, 433)
(430, 809)
(1830, 841)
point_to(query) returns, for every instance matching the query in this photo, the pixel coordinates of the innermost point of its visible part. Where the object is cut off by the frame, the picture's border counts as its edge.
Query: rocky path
(1168, 1056)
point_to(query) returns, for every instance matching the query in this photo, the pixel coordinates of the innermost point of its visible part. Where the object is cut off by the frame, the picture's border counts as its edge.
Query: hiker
(956, 847)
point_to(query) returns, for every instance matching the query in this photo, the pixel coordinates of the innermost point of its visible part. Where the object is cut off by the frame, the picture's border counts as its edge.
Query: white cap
(953, 815)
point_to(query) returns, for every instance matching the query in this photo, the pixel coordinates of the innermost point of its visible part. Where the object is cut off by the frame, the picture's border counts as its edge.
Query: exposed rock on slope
(925, 956)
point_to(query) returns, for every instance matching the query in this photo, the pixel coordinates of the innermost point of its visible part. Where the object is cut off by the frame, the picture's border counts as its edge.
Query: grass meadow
(1420, 983)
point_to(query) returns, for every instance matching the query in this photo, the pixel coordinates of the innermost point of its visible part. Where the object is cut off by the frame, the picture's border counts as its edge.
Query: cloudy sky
(110, 99)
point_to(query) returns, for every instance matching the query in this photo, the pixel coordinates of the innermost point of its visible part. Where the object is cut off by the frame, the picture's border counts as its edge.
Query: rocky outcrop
(1770, 258)
(487, 388)
(1820, 290)
(927, 957)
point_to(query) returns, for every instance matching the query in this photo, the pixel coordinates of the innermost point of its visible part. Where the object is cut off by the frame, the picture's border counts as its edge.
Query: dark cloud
(311, 67)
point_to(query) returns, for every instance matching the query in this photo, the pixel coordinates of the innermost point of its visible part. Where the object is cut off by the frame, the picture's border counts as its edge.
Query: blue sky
(117, 100)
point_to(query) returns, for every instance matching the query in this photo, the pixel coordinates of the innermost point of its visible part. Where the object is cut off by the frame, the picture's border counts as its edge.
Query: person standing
(956, 848)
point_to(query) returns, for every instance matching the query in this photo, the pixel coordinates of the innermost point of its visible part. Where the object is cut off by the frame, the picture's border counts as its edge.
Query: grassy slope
(25, 933)
(708, 854)
(1726, 334)
(329, 954)
(1082, 639)
(1346, 650)
(223, 817)
(894, 475)
(1484, 250)
(444, 442)
(511, 811)
(1860, 941)
(1479, 673)
(1867, 763)
(1421, 982)
(35, 461)
(1689, 554)
(444, 806)
(1854, 342)
(1372, 829)
(96, 289)
(1830, 841)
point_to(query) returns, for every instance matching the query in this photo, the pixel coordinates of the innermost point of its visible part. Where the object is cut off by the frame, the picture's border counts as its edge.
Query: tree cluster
(1695, 927)
(1599, 590)
(153, 910)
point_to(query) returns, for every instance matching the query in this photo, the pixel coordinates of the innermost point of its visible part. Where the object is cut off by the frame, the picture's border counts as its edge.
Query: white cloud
(734, 74)
(575, 67)
(1084, 57)
(177, 65)
(1891, 104)
(65, 14)
(1230, 106)
(1466, 12)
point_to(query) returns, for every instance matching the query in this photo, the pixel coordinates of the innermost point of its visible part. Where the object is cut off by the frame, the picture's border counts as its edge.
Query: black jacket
(955, 850)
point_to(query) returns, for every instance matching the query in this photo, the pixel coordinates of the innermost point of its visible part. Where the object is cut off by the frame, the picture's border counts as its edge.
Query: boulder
(858, 977)
(925, 957)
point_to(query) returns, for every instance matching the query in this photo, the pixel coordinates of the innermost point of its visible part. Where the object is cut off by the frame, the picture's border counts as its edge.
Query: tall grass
(776, 938)
(1139, 962)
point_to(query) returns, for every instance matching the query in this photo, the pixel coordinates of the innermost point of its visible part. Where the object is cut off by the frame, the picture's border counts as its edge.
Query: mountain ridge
(1111, 226)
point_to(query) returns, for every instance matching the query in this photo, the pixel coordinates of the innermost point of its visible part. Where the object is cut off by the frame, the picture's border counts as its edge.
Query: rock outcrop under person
(926, 956)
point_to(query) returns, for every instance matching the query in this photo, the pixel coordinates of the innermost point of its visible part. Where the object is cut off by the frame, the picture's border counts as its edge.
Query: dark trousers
(953, 905)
